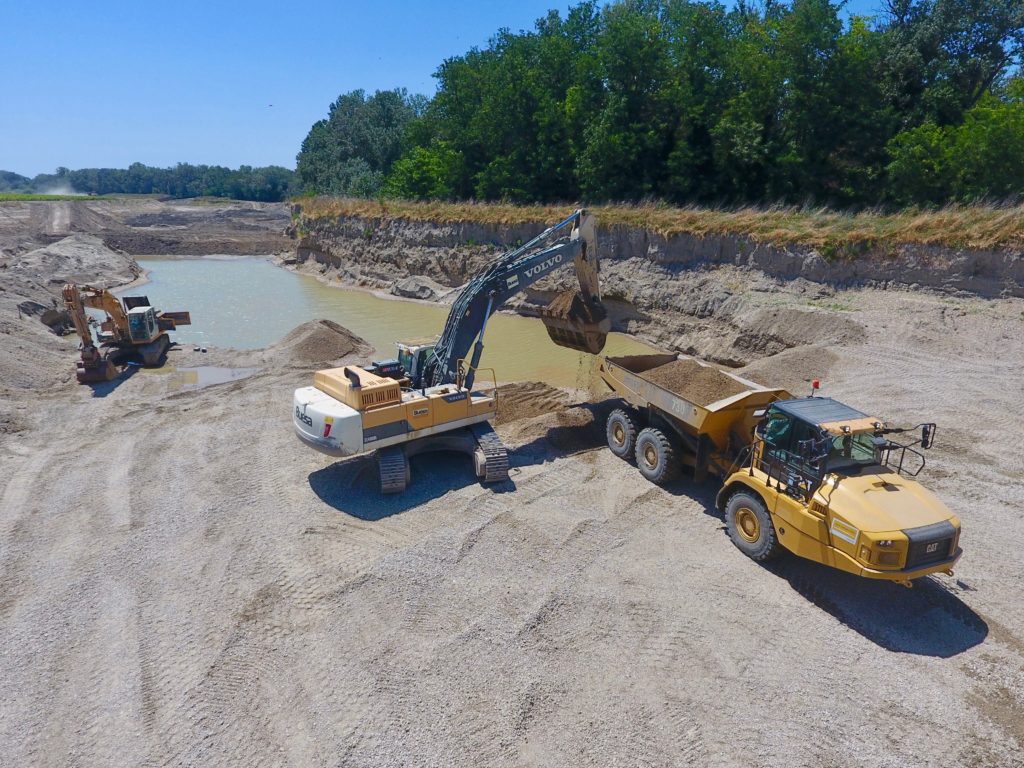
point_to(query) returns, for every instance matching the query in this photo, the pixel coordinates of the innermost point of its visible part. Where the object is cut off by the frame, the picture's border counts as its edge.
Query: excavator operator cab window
(413, 358)
(142, 326)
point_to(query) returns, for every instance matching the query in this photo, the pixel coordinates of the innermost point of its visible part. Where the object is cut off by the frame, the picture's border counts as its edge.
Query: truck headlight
(888, 558)
(885, 543)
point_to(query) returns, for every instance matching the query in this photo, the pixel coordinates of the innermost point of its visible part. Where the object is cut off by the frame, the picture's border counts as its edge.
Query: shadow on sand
(104, 388)
(351, 485)
(927, 620)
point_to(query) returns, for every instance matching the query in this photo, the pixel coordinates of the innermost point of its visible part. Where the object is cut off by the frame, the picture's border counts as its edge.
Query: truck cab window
(777, 430)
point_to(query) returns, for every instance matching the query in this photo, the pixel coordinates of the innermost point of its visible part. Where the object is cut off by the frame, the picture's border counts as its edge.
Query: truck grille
(929, 543)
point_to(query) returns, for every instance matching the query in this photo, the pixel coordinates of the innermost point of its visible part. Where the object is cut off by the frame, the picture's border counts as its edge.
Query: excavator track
(495, 453)
(393, 466)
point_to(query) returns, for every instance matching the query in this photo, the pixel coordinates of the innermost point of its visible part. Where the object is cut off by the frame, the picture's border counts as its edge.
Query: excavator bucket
(168, 321)
(574, 322)
(95, 368)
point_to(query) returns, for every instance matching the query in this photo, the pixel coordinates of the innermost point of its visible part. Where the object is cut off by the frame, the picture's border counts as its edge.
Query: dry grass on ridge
(971, 226)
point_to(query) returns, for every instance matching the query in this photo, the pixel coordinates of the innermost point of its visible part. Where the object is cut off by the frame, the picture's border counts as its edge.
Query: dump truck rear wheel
(621, 431)
(656, 456)
(750, 527)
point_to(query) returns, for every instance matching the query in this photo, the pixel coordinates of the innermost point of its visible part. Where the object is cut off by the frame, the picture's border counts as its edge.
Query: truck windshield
(850, 451)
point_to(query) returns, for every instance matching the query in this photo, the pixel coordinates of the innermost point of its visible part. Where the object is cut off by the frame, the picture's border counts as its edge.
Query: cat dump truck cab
(811, 476)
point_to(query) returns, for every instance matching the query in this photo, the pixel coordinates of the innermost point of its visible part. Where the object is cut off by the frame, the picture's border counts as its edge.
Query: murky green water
(248, 303)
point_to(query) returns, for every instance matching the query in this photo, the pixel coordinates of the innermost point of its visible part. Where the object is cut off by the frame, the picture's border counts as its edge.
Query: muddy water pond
(246, 303)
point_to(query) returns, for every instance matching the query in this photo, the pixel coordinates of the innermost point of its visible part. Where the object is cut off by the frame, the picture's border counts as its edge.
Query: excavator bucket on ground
(575, 322)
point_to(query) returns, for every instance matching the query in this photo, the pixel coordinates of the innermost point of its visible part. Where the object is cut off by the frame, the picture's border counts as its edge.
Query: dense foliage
(183, 180)
(693, 102)
(350, 152)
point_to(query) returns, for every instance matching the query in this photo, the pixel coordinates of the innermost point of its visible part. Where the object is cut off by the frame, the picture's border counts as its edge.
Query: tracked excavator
(427, 398)
(132, 331)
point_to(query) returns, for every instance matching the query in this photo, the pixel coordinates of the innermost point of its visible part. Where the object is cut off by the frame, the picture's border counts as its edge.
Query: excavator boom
(585, 329)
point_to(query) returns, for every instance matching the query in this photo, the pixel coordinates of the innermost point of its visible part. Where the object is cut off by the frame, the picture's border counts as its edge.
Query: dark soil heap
(697, 383)
(318, 341)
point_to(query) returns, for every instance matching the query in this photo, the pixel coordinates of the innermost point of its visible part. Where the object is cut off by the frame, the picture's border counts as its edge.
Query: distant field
(836, 233)
(8, 196)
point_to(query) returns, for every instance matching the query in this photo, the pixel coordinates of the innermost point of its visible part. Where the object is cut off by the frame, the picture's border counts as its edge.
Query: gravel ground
(185, 584)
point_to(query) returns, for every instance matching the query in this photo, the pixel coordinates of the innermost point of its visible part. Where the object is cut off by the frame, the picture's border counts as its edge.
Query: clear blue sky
(104, 83)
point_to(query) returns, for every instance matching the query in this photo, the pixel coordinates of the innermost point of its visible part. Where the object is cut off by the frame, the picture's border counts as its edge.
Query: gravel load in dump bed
(695, 382)
(571, 305)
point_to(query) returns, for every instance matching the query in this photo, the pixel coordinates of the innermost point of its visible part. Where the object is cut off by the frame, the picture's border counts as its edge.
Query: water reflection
(248, 303)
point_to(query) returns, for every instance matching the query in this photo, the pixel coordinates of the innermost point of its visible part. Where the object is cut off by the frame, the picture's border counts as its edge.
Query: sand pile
(317, 342)
(77, 258)
(697, 383)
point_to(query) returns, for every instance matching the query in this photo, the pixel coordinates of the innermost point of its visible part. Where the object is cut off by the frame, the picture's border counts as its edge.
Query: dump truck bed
(688, 394)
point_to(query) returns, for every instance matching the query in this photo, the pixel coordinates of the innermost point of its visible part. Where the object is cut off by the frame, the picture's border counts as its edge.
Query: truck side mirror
(927, 435)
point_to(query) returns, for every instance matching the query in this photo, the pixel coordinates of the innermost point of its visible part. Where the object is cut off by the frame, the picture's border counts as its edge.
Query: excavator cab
(414, 355)
(142, 325)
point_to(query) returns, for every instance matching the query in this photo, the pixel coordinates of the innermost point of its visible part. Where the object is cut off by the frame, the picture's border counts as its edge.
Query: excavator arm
(510, 274)
(100, 298)
(76, 309)
(94, 366)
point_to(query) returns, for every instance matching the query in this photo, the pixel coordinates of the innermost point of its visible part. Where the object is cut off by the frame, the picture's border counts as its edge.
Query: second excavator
(427, 399)
(132, 331)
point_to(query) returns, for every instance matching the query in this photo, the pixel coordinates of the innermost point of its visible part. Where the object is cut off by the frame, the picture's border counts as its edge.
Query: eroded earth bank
(185, 584)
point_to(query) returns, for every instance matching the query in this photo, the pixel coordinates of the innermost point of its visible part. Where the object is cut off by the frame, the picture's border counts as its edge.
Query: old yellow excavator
(132, 331)
(427, 398)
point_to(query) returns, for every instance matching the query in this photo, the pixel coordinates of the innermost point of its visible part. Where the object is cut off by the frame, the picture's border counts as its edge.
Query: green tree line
(269, 184)
(695, 102)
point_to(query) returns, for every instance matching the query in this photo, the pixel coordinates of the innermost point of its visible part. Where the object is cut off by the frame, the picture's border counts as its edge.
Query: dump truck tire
(750, 527)
(656, 456)
(621, 431)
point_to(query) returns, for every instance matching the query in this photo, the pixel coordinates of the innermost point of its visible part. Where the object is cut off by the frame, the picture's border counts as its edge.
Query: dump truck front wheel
(621, 430)
(750, 527)
(656, 456)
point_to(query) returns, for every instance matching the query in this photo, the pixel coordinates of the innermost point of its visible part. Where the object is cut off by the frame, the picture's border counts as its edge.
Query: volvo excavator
(132, 331)
(427, 399)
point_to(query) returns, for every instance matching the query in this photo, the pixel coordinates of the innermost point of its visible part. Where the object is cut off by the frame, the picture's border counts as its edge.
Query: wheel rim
(619, 434)
(747, 525)
(650, 456)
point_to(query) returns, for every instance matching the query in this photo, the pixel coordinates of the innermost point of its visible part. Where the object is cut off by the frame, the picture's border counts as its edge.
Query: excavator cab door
(142, 325)
(414, 357)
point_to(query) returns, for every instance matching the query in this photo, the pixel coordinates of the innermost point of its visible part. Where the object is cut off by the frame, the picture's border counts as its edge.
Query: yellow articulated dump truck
(805, 474)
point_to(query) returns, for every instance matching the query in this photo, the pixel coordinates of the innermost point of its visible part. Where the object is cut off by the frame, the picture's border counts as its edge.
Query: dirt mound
(792, 369)
(528, 399)
(697, 383)
(317, 342)
(77, 258)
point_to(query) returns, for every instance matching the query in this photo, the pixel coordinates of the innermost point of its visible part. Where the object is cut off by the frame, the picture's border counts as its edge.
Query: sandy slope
(184, 584)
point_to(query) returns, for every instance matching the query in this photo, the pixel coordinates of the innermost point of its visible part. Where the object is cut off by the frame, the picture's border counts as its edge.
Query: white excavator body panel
(326, 424)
